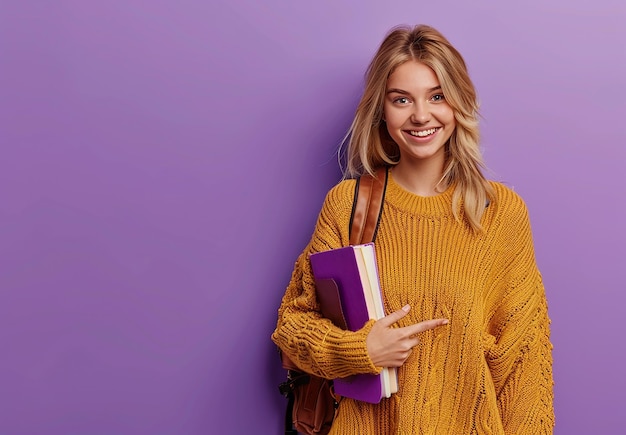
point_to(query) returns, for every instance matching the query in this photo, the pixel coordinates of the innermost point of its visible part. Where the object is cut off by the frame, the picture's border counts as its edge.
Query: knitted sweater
(489, 371)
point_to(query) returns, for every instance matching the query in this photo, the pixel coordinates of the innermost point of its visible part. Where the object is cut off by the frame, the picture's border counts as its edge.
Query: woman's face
(418, 118)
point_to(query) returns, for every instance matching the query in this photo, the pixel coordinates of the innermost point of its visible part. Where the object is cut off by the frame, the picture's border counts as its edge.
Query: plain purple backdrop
(162, 165)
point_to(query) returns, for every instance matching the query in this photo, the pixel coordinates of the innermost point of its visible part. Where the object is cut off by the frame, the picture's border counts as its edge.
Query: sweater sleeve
(520, 358)
(312, 342)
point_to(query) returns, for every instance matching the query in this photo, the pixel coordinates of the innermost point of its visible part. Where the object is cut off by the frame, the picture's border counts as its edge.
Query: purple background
(163, 162)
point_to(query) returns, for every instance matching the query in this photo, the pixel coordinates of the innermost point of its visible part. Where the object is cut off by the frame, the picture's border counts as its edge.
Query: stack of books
(349, 293)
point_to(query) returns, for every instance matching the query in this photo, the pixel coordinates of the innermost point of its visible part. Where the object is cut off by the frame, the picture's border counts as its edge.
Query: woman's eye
(401, 100)
(438, 97)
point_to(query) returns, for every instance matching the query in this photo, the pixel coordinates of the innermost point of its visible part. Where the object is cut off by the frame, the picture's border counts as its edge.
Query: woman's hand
(390, 347)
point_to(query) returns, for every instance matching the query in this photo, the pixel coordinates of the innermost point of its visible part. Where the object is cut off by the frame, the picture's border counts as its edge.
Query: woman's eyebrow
(403, 92)
(397, 91)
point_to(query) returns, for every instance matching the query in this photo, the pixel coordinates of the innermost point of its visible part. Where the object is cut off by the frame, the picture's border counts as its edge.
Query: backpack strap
(369, 195)
(367, 208)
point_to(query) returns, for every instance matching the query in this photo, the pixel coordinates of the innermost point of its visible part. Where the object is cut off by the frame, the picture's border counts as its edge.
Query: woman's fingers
(392, 318)
(425, 326)
(390, 347)
(417, 327)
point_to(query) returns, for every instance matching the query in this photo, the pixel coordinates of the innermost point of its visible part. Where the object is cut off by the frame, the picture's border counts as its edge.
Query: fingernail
(406, 308)
(445, 322)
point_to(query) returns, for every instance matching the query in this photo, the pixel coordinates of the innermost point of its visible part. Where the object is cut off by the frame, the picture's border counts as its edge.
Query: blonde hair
(370, 144)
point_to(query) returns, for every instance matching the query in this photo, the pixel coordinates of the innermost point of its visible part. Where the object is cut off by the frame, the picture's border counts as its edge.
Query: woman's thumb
(395, 316)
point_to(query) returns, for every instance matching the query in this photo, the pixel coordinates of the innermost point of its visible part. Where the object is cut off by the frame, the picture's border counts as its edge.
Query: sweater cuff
(350, 355)
(323, 349)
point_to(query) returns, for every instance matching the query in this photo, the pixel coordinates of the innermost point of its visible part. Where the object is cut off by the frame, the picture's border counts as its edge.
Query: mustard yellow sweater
(489, 371)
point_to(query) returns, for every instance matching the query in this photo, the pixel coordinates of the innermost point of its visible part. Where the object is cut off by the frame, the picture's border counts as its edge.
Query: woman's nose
(421, 114)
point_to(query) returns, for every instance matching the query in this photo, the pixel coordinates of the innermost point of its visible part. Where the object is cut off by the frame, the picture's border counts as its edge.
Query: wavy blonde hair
(370, 144)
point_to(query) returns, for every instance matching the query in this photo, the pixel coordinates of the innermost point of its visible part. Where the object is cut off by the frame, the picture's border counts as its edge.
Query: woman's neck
(419, 178)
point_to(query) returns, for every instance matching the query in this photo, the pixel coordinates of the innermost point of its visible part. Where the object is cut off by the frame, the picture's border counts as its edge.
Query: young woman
(468, 327)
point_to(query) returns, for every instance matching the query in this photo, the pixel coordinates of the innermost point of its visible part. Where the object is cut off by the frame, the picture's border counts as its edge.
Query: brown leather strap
(368, 206)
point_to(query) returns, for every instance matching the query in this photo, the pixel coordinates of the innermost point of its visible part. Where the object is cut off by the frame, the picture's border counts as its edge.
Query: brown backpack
(312, 404)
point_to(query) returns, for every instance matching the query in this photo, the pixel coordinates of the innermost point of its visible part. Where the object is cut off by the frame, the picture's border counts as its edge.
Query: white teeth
(423, 133)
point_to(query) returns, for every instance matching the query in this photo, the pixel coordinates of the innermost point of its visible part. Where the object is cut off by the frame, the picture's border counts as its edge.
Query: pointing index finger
(426, 325)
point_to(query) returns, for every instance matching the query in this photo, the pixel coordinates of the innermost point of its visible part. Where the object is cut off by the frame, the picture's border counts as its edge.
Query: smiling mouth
(424, 133)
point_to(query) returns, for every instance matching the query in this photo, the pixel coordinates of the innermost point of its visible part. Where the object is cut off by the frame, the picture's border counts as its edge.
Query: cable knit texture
(489, 371)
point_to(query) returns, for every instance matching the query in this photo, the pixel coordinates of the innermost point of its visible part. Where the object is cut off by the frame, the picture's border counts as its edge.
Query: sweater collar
(402, 199)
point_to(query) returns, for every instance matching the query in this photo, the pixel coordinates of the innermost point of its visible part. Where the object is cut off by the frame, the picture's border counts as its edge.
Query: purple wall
(162, 164)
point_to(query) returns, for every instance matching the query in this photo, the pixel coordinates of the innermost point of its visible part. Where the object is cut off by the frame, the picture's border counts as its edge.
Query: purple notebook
(340, 291)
